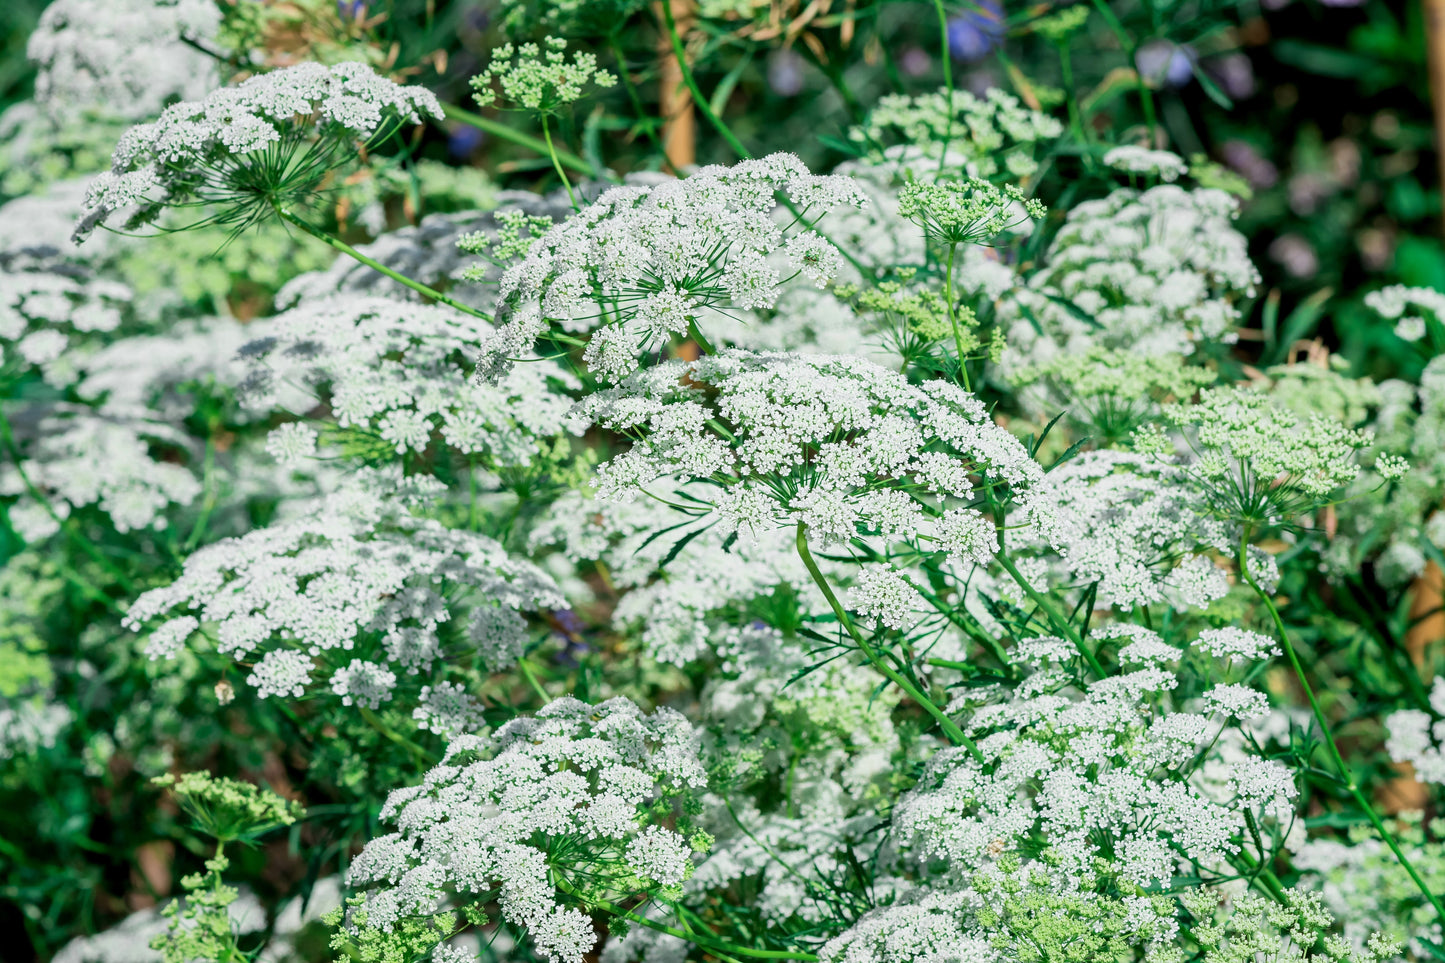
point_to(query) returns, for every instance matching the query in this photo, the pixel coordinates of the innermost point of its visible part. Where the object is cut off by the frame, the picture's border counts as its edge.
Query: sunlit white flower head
(360, 593)
(400, 372)
(265, 141)
(571, 794)
(640, 266)
(834, 441)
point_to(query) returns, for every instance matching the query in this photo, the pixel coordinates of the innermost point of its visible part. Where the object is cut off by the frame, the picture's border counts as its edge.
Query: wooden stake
(679, 119)
(1435, 49)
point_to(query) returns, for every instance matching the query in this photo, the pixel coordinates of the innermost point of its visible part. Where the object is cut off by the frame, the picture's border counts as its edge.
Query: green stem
(520, 139)
(1338, 760)
(1146, 99)
(949, 727)
(556, 162)
(706, 942)
(373, 720)
(953, 318)
(1055, 617)
(702, 105)
(632, 95)
(696, 335)
(208, 500)
(947, 59)
(531, 677)
(376, 265)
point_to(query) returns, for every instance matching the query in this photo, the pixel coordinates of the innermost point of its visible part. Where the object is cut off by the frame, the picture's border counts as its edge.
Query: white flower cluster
(122, 58)
(1107, 771)
(1416, 736)
(674, 609)
(546, 810)
(1255, 460)
(47, 320)
(1410, 308)
(398, 371)
(826, 442)
(1155, 272)
(200, 149)
(642, 265)
(1163, 164)
(1135, 526)
(28, 725)
(82, 459)
(360, 588)
(994, 134)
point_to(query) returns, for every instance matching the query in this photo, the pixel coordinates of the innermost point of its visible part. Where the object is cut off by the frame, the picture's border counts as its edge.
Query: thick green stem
(501, 130)
(1051, 612)
(375, 265)
(556, 162)
(702, 105)
(950, 728)
(705, 942)
(1346, 776)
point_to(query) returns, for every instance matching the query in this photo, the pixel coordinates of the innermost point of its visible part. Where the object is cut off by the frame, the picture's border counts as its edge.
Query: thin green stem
(1051, 612)
(950, 728)
(696, 335)
(953, 318)
(706, 942)
(375, 265)
(531, 678)
(1336, 758)
(556, 162)
(702, 105)
(947, 58)
(520, 139)
(1146, 99)
(373, 720)
(632, 95)
(208, 499)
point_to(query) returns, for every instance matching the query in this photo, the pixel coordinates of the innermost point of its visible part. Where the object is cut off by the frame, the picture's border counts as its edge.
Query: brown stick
(1435, 47)
(679, 121)
(1427, 593)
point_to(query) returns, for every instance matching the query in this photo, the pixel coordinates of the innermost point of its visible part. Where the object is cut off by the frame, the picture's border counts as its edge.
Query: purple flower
(1234, 73)
(1161, 63)
(785, 73)
(463, 141)
(915, 62)
(351, 9)
(973, 34)
(1255, 167)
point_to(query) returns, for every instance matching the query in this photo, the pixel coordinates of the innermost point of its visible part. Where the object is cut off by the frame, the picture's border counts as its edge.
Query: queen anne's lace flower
(826, 437)
(1154, 272)
(640, 264)
(1163, 164)
(1417, 738)
(570, 794)
(204, 150)
(1127, 522)
(1098, 774)
(83, 459)
(399, 370)
(360, 588)
(124, 58)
